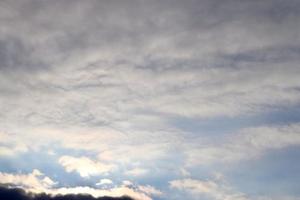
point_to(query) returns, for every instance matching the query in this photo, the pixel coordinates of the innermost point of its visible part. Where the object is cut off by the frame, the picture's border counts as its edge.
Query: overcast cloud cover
(152, 99)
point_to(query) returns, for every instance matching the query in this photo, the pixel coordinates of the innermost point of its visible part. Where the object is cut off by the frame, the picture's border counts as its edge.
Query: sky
(151, 99)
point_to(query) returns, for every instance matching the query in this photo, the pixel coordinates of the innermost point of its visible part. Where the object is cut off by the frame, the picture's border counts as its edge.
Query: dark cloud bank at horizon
(20, 194)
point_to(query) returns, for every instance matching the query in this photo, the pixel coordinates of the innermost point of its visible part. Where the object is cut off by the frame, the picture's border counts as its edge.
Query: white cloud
(85, 166)
(36, 172)
(36, 182)
(150, 190)
(113, 192)
(127, 183)
(105, 182)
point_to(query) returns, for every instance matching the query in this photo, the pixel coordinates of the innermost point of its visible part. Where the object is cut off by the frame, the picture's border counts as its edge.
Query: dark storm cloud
(19, 194)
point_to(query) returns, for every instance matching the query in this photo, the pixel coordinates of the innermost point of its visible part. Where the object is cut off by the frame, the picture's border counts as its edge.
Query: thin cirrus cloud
(154, 92)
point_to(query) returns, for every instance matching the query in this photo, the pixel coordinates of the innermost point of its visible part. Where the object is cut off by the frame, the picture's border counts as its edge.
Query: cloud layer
(124, 97)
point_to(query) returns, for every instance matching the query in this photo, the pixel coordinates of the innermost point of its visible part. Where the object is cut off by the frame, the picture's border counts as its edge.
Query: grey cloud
(16, 56)
(279, 54)
(129, 65)
(162, 30)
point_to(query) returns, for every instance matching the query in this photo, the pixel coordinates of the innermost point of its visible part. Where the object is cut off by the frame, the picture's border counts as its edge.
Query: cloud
(127, 183)
(104, 182)
(36, 182)
(218, 190)
(136, 172)
(85, 166)
(108, 78)
(19, 194)
(207, 187)
(95, 80)
(278, 198)
(150, 190)
(249, 143)
(112, 146)
(203, 70)
(113, 192)
(9, 152)
(10, 145)
(184, 172)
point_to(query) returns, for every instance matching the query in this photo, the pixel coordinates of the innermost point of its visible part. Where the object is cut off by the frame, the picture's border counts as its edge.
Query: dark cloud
(19, 194)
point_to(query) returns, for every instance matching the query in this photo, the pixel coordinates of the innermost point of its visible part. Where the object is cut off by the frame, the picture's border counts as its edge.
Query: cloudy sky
(153, 99)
